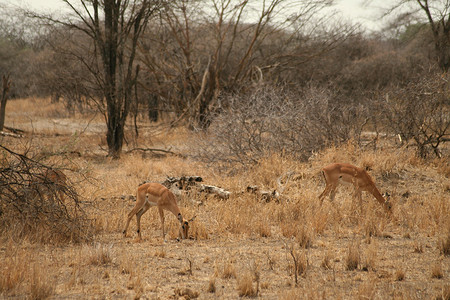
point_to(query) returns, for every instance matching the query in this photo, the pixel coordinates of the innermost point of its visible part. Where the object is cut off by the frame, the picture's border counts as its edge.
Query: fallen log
(156, 151)
(266, 196)
(182, 182)
(14, 135)
(211, 189)
(276, 194)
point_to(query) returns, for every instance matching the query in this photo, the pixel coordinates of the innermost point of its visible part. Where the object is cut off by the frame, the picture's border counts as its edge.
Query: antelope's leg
(138, 218)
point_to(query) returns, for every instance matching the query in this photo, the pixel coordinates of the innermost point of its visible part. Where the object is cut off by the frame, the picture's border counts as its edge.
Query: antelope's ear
(193, 219)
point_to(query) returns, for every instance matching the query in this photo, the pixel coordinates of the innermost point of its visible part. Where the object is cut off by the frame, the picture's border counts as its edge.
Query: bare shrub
(273, 120)
(34, 205)
(300, 261)
(419, 112)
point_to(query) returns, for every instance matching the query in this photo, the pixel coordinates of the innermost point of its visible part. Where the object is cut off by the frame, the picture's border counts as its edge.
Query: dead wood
(14, 130)
(10, 134)
(211, 189)
(182, 182)
(156, 151)
(276, 194)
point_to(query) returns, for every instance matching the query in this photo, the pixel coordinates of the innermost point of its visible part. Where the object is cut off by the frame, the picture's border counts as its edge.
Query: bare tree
(273, 120)
(198, 54)
(6, 84)
(420, 112)
(113, 28)
(436, 14)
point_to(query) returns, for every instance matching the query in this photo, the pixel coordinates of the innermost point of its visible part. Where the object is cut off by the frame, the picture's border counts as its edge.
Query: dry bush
(35, 206)
(272, 120)
(300, 262)
(425, 122)
(135, 283)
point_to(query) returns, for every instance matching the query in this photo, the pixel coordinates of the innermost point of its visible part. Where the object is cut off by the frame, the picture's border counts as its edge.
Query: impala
(338, 173)
(155, 194)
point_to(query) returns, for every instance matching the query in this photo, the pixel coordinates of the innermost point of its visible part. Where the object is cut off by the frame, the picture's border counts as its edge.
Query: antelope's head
(184, 230)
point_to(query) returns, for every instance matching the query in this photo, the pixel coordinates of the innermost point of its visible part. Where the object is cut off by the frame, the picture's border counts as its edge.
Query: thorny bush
(420, 113)
(33, 205)
(275, 120)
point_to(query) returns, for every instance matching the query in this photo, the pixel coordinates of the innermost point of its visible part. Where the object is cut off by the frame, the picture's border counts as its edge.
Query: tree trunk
(5, 89)
(153, 108)
(114, 136)
(443, 52)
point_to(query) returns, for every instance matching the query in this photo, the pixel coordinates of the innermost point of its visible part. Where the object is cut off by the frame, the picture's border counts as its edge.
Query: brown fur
(338, 173)
(155, 194)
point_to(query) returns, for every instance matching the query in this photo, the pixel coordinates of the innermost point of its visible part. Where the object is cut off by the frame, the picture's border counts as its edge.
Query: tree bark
(6, 83)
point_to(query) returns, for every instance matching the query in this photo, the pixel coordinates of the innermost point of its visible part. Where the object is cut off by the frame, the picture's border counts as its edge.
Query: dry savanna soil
(243, 246)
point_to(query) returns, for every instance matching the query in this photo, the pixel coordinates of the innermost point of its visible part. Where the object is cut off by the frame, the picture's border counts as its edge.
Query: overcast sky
(352, 10)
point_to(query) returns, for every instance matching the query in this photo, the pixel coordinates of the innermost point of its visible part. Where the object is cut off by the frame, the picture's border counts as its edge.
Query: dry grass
(399, 275)
(245, 285)
(444, 244)
(436, 271)
(211, 285)
(353, 258)
(389, 256)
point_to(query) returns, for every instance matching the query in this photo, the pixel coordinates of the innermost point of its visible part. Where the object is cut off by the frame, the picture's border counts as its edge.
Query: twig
(155, 150)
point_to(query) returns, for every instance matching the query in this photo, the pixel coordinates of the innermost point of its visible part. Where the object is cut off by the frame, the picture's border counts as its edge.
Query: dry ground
(240, 246)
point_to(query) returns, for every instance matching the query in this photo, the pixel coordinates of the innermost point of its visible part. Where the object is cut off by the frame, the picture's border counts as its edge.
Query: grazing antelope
(338, 173)
(155, 194)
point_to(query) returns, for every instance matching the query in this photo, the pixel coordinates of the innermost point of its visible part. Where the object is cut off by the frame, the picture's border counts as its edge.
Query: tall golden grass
(339, 252)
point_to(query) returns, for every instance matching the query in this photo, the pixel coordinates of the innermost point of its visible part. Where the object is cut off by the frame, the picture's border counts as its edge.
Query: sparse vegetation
(245, 285)
(248, 104)
(227, 234)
